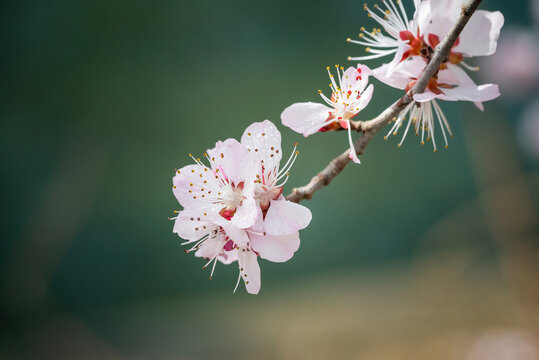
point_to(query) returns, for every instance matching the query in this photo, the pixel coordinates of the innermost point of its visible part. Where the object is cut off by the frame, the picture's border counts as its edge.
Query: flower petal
(286, 218)
(234, 161)
(238, 236)
(263, 140)
(276, 248)
(193, 224)
(425, 96)
(191, 182)
(480, 36)
(211, 247)
(249, 270)
(245, 214)
(305, 118)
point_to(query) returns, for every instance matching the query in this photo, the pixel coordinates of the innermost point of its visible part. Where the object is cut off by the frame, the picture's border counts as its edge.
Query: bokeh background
(411, 255)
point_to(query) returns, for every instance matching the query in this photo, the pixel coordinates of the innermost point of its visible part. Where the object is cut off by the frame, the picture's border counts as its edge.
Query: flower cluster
(411, 42)
(233, 207)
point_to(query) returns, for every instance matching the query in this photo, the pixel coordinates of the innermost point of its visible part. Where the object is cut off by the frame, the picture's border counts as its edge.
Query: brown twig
(371, 127)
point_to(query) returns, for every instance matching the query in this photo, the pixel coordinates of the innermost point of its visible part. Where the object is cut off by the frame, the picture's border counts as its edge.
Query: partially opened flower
(275, 232)
(349, 95)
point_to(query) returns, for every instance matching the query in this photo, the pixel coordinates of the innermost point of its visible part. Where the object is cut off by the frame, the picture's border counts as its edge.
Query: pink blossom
(419, 36)
(234, 209)
(349, 95)
(275, 232)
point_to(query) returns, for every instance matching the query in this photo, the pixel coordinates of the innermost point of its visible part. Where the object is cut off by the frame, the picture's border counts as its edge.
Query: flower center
(232, 198)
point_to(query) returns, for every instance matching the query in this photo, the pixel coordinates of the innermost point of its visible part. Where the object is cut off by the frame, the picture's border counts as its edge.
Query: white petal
(480, 36)
(479, 93)
(264, 142)
(285, 217)
(426, 96)
(191, 178)
(274, 247)
(305, 118)
(211, 247)
(234, 161)
(238, 236)
(366, 97)
(249, 270)
(245, 214)
(193, 224)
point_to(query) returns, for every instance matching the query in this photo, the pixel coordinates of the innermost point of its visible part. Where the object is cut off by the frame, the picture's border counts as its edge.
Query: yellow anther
(348, 39)
(368, 49)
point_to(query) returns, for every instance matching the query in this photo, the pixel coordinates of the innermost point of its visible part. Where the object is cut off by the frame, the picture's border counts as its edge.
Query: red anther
(358, 77)
(359, 70)
(349, 92)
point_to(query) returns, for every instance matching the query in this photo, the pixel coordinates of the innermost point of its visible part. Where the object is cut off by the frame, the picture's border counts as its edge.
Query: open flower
(275, 233)
(450, 83)
(349, 95)
(419, 36)
(234, 209)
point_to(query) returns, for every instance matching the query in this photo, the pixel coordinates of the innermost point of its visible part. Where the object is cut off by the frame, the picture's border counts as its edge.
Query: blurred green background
(410, 255)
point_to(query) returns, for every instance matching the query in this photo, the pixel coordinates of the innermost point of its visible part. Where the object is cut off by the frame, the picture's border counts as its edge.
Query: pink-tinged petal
(426, 96)
(191, 182)
(228, 257)
(233, 161)
(274, 247)
(193, 224)
(401, 47)
(263, 140)
(402, 75)
(285, 217)
(455, 75)
(366, 97)
(249, 270)
(422, 16)
(479, 105)
(238, 236)
(480, 36)
(211, 247)
(352, 79)
(245, 215)
(353, 154)
(305, 118)
(479, 93)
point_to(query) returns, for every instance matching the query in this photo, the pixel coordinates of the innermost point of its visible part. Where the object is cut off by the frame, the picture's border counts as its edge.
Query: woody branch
(371, 127)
